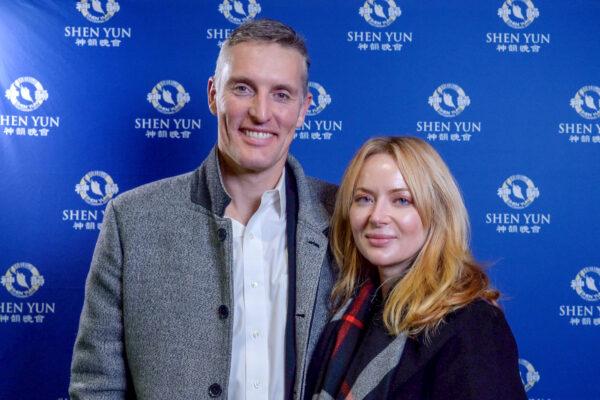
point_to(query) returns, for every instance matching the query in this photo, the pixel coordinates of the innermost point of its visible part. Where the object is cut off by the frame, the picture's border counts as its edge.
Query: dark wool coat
(472, 356)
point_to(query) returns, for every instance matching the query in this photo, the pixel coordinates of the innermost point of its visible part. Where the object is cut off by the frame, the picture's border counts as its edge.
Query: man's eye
(282, 96)
(241, 89)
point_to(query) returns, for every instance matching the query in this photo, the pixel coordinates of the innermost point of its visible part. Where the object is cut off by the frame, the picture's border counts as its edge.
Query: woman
(415, 315)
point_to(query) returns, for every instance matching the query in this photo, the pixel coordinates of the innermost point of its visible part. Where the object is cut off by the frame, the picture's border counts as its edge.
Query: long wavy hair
(443, 275)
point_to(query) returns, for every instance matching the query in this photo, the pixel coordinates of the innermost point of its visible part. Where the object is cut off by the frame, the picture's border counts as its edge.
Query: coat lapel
(311, 248)
(313, 282)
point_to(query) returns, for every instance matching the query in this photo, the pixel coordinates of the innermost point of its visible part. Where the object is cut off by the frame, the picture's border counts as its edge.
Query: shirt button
(215, 390)
(251, 236)
(255, 334)
(256, 385)
(223, 312)
(254, 284)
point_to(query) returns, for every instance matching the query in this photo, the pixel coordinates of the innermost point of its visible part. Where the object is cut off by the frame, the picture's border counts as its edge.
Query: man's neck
(246, 190)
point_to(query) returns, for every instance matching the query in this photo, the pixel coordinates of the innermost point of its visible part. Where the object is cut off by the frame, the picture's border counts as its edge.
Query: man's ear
(211, 92)
(305, 106)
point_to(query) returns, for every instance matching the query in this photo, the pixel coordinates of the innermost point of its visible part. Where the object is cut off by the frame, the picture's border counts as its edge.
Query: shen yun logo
(449, 100)
(587, 102)
(236, 13)
(320, 95)
(168, 97)
(96, 188)
(26, 94)
(314, 128)
(529, 376)
(586, 283)
(379, 15)
(96, 11)
(518, 192)
(518, 14)
(22, 280)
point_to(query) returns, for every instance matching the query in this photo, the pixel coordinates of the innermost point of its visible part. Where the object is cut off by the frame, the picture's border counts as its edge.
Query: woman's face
(386, 226)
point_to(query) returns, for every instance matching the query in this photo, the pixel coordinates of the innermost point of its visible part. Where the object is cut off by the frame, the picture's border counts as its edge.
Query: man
(214, 284)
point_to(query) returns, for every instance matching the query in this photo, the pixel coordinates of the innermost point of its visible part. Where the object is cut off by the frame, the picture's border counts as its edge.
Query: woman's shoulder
(479, 311)
(476, 322)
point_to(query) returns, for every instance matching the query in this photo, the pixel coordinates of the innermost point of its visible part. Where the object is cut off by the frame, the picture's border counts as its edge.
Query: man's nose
(260, 109)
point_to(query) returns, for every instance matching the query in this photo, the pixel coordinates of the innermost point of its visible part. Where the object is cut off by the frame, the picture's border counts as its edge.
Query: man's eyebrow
(285, 87)
(239, 79)
(242, 79)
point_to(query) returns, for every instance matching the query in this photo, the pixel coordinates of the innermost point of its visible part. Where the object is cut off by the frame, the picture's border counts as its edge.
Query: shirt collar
(276, 196)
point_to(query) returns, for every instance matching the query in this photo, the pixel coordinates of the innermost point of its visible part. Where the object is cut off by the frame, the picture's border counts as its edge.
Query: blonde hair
(443, 275)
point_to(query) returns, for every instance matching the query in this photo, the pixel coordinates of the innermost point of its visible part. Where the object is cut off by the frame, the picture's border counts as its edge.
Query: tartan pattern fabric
(355, 354)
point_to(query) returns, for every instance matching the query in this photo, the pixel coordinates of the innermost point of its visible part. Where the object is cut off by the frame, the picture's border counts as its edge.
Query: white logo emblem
(586, 283)
(321, 97)
(96, 11)
(168, 97)
(22, 280)
(518, 192)
(26, 93)
(587, 102)
(528, 371)
(239, 15)
(96, 188)
(449, 100)
(375, 15)
(518, 14)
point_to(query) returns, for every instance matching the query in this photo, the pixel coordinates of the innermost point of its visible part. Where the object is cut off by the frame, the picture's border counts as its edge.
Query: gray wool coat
(153, 324)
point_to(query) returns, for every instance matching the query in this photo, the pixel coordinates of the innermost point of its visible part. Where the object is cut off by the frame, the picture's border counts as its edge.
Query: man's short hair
(266, 31)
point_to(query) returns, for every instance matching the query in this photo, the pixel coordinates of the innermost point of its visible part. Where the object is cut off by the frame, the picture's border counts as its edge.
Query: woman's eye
(361, 199)
(403, 201)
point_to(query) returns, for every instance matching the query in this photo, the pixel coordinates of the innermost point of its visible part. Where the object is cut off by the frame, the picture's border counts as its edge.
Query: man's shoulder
(312, 191)
(323, 191)
(175, 189)
(317, 188)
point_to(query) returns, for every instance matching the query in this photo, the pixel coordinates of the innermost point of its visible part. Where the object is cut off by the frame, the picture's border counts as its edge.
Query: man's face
(259, 101)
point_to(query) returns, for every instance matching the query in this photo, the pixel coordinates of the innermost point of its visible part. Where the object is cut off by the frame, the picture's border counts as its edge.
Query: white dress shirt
(260, 283)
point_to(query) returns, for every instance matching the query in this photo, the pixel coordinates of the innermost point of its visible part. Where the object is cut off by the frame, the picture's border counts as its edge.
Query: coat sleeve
(479, 361)
(98, 368)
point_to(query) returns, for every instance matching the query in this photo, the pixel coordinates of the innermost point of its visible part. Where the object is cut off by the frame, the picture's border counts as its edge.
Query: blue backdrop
(100, 96)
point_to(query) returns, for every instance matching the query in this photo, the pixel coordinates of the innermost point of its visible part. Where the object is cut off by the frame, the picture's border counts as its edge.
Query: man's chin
(258, 163)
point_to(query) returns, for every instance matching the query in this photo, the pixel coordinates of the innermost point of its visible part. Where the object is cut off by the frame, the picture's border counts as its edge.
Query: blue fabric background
(519, 97)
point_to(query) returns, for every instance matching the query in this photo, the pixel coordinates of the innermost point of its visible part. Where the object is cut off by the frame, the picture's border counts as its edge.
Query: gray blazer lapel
(314, 277)
(311, 248)
(207, 189)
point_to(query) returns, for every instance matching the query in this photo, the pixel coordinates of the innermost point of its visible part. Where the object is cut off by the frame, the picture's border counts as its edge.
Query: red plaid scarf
(355, 357)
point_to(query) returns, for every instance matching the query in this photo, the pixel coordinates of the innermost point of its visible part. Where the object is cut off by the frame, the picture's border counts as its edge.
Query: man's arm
(98, 369)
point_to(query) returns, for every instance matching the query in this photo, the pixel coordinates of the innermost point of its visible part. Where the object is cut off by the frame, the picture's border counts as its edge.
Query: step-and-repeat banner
(100, 96)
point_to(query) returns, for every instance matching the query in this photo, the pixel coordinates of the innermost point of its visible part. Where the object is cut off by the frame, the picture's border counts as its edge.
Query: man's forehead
(272, 47)
(283, 61)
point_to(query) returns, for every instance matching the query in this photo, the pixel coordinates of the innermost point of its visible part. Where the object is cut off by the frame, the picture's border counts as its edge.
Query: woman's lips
(379, 239)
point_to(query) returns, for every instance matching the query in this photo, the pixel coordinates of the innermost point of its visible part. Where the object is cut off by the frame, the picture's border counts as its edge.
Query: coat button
(215, 390)
(223, 312)
(222, 234)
